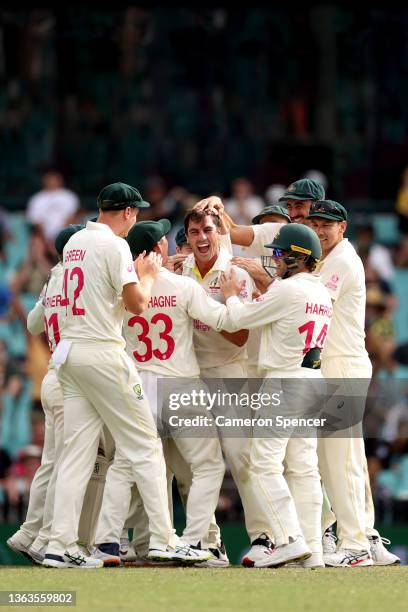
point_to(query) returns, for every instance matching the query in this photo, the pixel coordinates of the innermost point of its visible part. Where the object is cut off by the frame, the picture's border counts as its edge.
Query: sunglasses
(327, 207)
(278, 253)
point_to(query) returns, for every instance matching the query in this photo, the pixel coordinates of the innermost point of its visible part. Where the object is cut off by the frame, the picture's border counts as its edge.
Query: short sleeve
(263, 234)
(120, 265)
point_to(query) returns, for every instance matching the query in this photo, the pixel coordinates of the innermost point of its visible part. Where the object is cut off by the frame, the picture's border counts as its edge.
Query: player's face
(203, 239)
(184, 249)
(298, 210)
(273, 219)
(130, 216)
(281, 267)
(330, 232)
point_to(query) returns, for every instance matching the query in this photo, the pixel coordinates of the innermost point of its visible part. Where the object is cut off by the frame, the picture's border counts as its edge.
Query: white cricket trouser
(43, 485)
(342, 463)
(284, 469)
(204, 461)
(101, 385)
(237, 451)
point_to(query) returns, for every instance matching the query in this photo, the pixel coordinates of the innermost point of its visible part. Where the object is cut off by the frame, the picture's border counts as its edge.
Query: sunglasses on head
(326, 207)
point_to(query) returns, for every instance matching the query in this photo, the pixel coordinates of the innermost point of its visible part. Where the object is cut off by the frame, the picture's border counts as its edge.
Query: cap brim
(294, 196)
(142, 204)
(166, 226)
(327, 216)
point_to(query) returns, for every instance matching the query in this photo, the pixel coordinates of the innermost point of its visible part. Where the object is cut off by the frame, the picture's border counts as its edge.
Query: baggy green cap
(65, 234)
(328, 209)
(118, 196)
(181, 238)
(304, 189)
(146, 234)
(273, 209)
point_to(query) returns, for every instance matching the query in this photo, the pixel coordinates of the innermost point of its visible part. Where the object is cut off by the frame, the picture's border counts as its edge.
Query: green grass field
(235, 589)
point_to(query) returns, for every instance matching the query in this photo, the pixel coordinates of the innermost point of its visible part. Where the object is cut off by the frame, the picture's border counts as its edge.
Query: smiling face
(298, 210)
(330, 232)
(202, 237)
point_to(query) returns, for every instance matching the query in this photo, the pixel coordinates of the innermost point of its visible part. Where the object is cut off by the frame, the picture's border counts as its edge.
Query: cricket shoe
(68, 560)
(186, 554)
(108, 552)
(344, 557)
(219, 557)
(259, 548)
(21, 543)
(329, 543)
(297, 550)
(313, 562)
(37, 555)
(380, 555)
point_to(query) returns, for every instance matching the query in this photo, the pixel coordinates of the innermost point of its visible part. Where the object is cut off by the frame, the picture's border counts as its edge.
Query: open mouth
(203, 248)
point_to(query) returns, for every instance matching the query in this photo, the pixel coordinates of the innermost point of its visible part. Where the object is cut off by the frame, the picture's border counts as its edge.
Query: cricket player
(223, 355)
(299, 197)
(32, 537)
(45, 316)
(100, 383)
(342, 461)
(160, 341)
(295, 316)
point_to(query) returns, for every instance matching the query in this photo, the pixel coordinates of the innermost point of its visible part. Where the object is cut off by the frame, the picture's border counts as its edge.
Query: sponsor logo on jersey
(244, 290)
(200, 326)
(138, 390)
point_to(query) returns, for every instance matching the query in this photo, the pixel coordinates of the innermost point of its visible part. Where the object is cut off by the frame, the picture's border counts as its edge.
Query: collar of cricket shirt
(220, 265)
(100, 227)
(338, 249)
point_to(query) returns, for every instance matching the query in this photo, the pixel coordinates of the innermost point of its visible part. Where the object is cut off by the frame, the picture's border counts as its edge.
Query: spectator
(376, 255)
(162, 203)
(54, 206)
(274, 193)
(402, 203)
(243, 204)
(32, 274)
(317, 175)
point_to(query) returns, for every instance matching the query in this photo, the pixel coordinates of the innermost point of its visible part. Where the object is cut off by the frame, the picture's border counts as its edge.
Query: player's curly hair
(199, 215)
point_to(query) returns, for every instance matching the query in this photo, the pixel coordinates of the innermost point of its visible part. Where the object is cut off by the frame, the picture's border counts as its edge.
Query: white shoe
(127, 554)
(329, 543)
(380, 555)
(259, 548)
(37, 555)
(182, 552)
(67, 560)
(297, 550)
(21, 543)
(219, 557)
(313, 562)
(108, 553)
(344, 557)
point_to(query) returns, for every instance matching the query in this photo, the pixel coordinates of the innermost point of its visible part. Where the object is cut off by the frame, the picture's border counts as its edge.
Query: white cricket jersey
(97, 265)
(211, 348)
(342, 272)
(161, 339)
(295, 314)
(263, 234)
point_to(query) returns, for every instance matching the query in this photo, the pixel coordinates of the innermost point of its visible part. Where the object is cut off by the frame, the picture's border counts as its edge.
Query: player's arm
(136, 296)
(202, 307)
(240, 234)
(271, 307)
(239, 338)
(255, 270)
(35, 318)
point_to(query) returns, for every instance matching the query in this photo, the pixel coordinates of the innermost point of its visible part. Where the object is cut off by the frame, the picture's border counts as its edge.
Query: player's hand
(230, 285)
(213, 204)
(255, 270)
(175, 262)
(148, 265)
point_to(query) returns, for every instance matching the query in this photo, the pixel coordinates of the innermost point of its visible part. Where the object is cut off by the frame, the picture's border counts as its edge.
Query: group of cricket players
(127, 323)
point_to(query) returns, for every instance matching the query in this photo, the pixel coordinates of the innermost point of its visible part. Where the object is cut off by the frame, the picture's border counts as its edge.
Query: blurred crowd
(27, 254)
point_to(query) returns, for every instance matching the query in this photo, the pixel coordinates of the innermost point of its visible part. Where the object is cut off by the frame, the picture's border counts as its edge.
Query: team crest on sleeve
(333, 282)
(138, 390)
